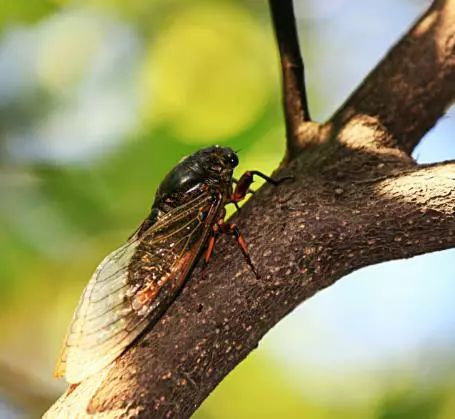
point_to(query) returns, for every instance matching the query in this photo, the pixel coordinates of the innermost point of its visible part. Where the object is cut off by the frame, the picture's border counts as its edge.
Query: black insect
(135, 284)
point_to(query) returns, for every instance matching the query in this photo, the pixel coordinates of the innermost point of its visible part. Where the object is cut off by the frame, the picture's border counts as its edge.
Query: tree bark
(358, 198)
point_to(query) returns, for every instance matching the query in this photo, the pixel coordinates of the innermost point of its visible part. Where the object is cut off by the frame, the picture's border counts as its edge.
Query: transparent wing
(132, 287)
(99, 317)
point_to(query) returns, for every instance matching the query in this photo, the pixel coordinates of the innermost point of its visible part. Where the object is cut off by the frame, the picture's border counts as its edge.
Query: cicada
(135, 284)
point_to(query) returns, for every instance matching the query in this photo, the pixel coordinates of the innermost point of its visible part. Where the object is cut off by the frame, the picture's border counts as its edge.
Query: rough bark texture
(412, 87)
(358, 199)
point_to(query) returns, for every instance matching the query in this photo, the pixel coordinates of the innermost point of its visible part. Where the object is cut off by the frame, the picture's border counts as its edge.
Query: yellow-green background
(100, 98)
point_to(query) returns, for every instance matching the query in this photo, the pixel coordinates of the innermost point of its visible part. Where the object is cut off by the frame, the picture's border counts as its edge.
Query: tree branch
(405, 95)
(294, 91)
(304, 236)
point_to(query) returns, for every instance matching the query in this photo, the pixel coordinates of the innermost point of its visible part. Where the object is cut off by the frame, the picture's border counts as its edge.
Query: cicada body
(135, 284)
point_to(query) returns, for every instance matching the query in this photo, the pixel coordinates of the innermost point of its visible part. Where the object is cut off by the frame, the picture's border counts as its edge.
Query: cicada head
(218, 162)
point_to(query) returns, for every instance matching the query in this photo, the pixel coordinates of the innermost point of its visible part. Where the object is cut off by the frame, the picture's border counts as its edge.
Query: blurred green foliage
(19, 12)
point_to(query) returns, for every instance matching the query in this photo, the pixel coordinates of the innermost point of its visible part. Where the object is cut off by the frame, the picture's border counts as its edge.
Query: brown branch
(294, 91)
(406, 94)
(304, 236)
(349, 207)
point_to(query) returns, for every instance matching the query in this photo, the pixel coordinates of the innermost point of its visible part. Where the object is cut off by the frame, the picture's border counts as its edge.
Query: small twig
(294, 91)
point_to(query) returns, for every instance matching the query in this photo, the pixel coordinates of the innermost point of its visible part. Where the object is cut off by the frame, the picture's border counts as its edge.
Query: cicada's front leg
(249, 190)
(242, 186)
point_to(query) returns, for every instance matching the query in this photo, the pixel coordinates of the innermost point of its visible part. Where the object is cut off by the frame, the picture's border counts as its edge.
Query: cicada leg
(249, 190)
(210, 246)
(231, 229)
(242, 186)
(234, 230)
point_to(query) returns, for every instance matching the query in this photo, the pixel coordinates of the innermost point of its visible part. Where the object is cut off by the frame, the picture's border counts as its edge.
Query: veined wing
(133, 286)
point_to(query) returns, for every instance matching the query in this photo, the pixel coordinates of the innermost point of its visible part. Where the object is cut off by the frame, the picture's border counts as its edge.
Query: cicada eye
(234, 160)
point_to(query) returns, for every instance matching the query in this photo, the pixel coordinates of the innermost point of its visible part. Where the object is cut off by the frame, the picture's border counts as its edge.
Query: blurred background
(100, 98)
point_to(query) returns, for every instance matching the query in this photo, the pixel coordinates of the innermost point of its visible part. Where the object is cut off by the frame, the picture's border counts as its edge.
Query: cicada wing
(104, 322)
(132, 287)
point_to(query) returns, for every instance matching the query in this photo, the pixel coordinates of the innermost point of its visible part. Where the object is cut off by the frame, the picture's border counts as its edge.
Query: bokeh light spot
(210, 72)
